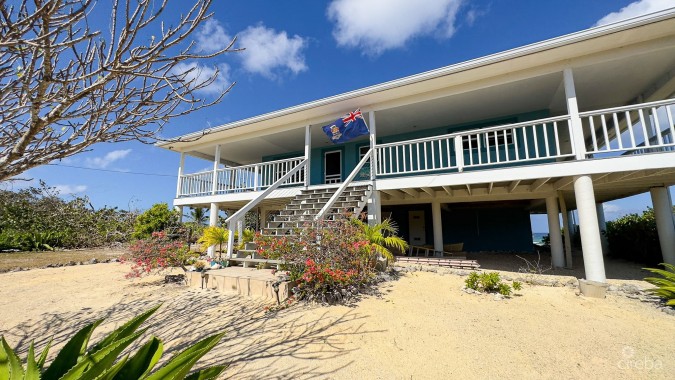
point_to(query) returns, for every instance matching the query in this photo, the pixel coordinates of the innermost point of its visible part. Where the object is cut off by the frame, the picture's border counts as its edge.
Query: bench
(441, 262)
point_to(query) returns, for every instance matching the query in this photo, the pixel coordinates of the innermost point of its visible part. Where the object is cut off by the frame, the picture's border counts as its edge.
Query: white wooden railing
(522, 142)
(641, 128)
(635, 129)
(235, 179)
(320, 215)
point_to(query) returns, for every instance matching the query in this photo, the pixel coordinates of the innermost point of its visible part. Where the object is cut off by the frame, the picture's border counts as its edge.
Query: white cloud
(70, 189)
(611, 208)
(109, 158)
(198, 74)
(637, 8)
(268, 51)
(212, 37)
(379, 25)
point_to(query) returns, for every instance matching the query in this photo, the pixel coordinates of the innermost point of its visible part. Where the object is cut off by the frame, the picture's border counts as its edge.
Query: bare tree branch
(64, 87)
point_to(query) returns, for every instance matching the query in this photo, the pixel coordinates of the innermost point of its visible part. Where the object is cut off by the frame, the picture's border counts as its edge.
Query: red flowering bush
(329, 261)
(156, 254)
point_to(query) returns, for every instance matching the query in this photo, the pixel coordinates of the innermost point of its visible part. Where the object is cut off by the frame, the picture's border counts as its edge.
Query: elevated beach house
(465, 153)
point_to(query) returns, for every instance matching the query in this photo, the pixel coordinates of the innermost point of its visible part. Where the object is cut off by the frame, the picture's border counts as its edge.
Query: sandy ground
(423, 327)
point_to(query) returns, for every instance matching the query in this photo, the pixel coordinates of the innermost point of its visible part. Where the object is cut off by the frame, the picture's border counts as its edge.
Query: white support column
(179, 211)
(213, 221)
(230, 238)
(263, 218)
(374, 205)
(181, 167)
(573, 111)
(216, 163)
(602, 225)
(663, 213)
(588, 227)
(437, 225)
(308, 154)
(568, 231)
(557, 254)
(240, 231)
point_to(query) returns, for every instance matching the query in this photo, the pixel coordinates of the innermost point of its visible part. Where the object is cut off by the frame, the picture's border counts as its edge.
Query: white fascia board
(444, 71)
(236, 197)
(557, 169)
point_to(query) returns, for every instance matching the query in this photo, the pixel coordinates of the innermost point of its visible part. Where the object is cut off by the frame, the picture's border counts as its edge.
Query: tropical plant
(213, 235)
(383, 237)
(665, 285)
(76, 362)
(489, 283)
(156, 254)
(158, 218)
(198, 215)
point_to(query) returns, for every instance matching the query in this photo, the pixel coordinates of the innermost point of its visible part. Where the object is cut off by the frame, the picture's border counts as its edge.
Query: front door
(332, 164)
(416, 228)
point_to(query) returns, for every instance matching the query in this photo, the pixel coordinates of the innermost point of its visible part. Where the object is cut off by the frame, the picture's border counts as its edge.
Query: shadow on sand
(254, 342)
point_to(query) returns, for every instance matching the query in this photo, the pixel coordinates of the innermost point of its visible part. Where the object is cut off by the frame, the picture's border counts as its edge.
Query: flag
(349, 126)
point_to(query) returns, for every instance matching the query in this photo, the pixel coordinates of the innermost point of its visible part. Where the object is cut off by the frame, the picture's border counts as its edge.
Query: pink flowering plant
(156, 254)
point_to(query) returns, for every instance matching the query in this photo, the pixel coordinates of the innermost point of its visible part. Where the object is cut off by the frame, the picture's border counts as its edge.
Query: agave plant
(76, 362)
(383, 236)
(665, 285)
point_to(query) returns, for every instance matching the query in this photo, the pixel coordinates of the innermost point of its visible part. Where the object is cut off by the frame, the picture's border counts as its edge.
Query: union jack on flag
(349, 126)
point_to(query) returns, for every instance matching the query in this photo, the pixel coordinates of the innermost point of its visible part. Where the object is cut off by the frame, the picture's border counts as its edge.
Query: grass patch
(10, 260)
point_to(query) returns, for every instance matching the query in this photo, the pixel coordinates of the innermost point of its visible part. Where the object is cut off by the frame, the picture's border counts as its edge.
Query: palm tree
(214, 235)
(383, 237)
(198, 215)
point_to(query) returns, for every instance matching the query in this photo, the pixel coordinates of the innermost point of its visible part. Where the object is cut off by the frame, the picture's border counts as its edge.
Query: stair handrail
(342, 187)
(265, 193)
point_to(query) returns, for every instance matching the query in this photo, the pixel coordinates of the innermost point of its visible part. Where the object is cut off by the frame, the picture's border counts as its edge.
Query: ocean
(537, 237)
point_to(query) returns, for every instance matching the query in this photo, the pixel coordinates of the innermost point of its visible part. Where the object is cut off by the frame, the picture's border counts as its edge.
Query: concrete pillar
(437, 225)
(374, 204)
(588, 227)
(230, 239)
(557, 254)
(213, 221)
(179, 211)
(573, 111)
(568, 232)
(240, 230)
(308, 154)
(663, 213)
(602, 225)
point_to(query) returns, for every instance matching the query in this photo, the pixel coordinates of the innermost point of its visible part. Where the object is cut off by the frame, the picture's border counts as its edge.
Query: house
(465, 153)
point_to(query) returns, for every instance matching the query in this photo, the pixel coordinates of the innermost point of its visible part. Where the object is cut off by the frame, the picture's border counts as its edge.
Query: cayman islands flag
(349, 126)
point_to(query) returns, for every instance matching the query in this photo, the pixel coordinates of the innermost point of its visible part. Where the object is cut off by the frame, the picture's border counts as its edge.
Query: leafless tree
(65, 86)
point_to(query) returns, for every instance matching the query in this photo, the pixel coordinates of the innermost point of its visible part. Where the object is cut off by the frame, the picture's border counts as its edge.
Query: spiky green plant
(383, 236)
(75, 362)
(665, 285)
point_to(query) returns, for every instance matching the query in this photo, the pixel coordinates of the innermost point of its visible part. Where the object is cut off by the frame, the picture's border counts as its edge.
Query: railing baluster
(556, 138)
(447, 148)
(506, 146)
(591, 125)
(605, 133)
(536, 141)
(514, 133)
(657, 126)
(418, 156)
(496, 146)
(546, 146)
(644, 127)
(670, 124)
(527, 146)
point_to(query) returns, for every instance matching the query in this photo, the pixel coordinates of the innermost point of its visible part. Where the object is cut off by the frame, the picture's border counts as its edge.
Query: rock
(612, 288)
(669, 310)
(71, 263)
(80, 263)
(93, 261)
(507, 278)
(498, 297)
(115, 260)
(633, 296)
(630, 289)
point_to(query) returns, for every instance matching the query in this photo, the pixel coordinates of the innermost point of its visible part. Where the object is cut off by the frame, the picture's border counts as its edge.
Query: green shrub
(633, 237)
(158, 218)
(489, 283)
(665, 285)
(74, 361)
(517, 285)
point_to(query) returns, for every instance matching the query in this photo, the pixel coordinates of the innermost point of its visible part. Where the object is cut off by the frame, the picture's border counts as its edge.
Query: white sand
(424, 327)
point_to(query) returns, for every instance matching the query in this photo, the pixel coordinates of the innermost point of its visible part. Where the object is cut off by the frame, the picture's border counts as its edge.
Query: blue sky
(302, 50)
